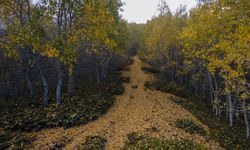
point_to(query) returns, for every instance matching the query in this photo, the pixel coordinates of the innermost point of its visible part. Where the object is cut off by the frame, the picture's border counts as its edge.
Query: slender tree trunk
(98, 78)
(98, 70)
(4, 83)
(216, 105)
(71, 84)
(60, 83)
(46, 90)
(104, 70)
(211, 98)
(230, 105)
(172, 73)
(246, 119)
(45, 84)
(212, 92)
(29, 82)
(216, 98)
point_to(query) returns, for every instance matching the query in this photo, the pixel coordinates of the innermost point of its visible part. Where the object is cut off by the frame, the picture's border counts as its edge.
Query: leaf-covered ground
(138, 110)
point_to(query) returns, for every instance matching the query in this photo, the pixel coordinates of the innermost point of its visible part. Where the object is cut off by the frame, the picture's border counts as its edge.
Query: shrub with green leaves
(165, 86)
(143, 142)
(150, 70)
(93, 143)
(190, 127)
(126, 79)
(14, 140)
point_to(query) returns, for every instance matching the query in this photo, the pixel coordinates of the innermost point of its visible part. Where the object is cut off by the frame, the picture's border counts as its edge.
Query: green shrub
(190, 127)
(181, 91)
(75, 111)
(142, 142)
(14, 140)
(126, 79)
(93, 143)
(155, 86)
(164, 86)
(150, 70)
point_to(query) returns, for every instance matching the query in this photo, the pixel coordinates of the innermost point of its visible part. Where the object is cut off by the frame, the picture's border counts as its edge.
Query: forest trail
(137, 110)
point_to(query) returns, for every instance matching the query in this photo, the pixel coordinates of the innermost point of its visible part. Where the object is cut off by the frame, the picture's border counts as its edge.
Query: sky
(139, 11)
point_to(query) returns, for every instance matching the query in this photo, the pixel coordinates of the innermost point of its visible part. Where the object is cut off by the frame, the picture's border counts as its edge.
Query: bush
(150, 70)
(154, 85)
(74, 111)
(190, 127)
(170, 87)
(142, 142)
(93, 143)
(126, 79)
(15, 140)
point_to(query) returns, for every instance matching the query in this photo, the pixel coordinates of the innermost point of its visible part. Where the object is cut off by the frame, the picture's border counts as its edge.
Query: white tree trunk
(60, 83)
(71, 85)
(246, 119)
(29, 82)
(230, 109)
(45, 84)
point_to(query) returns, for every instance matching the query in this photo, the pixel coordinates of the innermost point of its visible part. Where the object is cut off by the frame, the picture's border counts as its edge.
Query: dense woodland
(59, 60)
(206, 51)
(58, 63)
(46, 45)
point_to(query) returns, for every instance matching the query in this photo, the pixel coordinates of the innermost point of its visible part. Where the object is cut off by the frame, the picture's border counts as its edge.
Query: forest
(74, 74)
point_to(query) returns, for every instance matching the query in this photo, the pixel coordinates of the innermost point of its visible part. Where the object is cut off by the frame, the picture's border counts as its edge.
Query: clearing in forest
(137, 110)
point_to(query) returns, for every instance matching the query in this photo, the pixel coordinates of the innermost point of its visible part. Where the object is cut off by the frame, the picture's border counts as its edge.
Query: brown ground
(139, 110)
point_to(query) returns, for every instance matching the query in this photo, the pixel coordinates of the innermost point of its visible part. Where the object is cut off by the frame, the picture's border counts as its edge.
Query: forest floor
(137, 110)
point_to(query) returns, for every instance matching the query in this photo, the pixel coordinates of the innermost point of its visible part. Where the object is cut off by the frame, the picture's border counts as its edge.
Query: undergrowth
(93, 143)
(190, 127)
(150, 69)
(91, 102)
(143, 142)
(231, 138)
(14, 140)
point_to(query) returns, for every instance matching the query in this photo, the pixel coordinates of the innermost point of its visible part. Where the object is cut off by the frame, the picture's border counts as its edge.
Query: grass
(90, 103)
(231, 138)
(143, 142)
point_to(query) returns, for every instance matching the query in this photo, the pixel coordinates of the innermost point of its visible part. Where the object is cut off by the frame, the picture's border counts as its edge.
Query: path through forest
(138, 109)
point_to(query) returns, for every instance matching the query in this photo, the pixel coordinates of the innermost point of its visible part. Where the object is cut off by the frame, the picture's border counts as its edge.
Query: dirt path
(139, 110)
